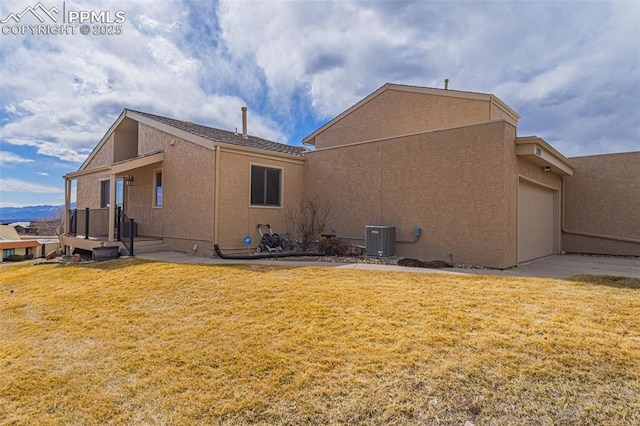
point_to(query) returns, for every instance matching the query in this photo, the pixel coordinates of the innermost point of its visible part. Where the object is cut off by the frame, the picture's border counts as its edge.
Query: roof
(218, 135)
(310, 140)
(22, 224)
(9, 244)
(196, 133)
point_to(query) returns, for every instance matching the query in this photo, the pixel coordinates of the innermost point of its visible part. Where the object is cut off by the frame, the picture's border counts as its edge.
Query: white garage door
(535, 221)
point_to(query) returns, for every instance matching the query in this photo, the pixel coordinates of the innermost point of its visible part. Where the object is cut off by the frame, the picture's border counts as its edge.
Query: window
(7, 252)
(157, 188)
(265, 186)
(104, 193)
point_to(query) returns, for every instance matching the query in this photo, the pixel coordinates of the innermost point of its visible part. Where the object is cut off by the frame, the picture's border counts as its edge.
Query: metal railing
(89, 222)
(125, 230)
(95, 222)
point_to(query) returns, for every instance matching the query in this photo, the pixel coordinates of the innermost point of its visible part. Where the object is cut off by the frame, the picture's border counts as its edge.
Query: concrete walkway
(552, 267)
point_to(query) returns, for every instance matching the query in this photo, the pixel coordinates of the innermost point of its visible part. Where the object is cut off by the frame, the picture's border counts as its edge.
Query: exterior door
(536, 221)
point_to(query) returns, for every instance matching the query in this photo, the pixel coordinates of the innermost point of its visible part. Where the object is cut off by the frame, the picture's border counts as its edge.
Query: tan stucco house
(186, 185)
(446, 162)
(12, 244)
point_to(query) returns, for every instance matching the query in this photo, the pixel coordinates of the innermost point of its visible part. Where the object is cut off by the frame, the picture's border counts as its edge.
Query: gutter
(564, 228)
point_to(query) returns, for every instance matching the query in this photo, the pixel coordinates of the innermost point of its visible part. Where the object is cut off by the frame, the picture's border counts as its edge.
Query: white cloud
(9, 157)
(168, 55)
(65, 112)
(16, 185)
(43, 173)
(14, 205)
(559, 64)
(570, 69)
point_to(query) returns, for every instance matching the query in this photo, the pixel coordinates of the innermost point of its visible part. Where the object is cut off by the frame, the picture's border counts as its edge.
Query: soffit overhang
(538, 151)
(122, 166)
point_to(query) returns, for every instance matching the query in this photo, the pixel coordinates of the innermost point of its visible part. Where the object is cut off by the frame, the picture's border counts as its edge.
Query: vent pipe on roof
(446, 84)
(244, 122)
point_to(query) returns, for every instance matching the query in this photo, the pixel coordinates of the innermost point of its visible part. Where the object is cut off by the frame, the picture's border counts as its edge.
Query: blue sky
(571, 69)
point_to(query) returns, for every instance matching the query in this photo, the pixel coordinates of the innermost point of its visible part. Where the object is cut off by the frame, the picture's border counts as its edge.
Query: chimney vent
(446, 84)
(244, 122)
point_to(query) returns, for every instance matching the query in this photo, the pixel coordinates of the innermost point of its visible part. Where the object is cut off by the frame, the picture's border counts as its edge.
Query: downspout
(587, 234)
(216, 194)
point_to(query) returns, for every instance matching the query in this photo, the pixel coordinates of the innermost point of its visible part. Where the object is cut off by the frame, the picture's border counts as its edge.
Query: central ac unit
(380, 241)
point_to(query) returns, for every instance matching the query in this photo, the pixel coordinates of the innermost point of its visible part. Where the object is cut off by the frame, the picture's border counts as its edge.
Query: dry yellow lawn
(134, 342)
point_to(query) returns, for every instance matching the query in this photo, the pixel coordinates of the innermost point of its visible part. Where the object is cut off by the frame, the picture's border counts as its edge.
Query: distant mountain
(28, 214)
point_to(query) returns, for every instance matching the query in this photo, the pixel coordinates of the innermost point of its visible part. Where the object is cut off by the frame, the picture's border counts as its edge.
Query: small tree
(306, 222)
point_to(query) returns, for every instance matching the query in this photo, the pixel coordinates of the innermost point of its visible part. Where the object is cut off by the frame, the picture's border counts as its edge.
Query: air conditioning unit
(380, 241)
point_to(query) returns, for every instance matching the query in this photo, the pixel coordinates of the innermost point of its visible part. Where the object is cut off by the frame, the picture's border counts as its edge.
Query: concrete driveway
(561, 266)
(564, 266)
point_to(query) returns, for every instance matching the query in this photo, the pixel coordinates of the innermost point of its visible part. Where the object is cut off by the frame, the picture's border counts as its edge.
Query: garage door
(535, 221)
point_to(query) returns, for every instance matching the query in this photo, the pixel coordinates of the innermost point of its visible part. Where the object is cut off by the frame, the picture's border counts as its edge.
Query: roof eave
(257, 152)
(104, 139)
(540, 152)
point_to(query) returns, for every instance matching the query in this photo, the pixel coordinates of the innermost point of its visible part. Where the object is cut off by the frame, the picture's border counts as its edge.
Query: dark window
(157, 200)
(104, 193)
(265, 186)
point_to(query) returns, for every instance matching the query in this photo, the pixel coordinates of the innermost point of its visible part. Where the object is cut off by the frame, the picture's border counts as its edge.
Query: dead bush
(305, 223)
(334, 246)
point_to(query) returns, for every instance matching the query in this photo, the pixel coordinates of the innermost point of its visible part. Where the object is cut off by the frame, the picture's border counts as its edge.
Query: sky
(571, 69)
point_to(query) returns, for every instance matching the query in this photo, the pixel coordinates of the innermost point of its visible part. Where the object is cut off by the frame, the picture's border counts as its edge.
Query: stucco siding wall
(394, 113)
(139, 202)
(151, 139)
(450, 183)
(188, 170)
(603, 197)
(237, 218)
(535, 173)
(104, 156)
(498, 113)
(510, 196)
(125, 140)
(88, 190)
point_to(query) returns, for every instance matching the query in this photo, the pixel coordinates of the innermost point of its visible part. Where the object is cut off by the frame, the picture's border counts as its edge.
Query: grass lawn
(138, 342)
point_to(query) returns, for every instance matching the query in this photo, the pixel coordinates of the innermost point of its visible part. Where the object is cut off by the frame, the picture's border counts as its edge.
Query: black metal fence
(125, 230)
(89, 222)
(95, 223)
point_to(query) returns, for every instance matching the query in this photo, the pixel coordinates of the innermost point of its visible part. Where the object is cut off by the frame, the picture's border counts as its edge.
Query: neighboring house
(447, 162)
(11, 244)
(23, 227)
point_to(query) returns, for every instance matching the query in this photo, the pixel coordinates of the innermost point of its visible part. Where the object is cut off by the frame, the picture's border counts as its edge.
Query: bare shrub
(305, 223)
(334, 246)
